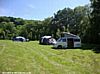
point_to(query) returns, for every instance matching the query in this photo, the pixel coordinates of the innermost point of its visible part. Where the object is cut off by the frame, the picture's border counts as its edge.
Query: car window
(63, 40)
(77, 40)
(59, 40)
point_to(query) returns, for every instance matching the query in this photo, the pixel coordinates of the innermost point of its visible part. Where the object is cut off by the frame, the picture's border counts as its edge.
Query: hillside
(42, 59)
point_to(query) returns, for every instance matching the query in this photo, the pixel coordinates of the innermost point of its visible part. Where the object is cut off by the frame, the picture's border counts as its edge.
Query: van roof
(77, 37)
(67, 34)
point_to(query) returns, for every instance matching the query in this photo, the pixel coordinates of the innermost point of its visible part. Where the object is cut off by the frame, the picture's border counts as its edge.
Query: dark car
(20, 38)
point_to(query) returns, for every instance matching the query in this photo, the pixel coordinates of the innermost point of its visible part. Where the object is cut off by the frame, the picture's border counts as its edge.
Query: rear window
(77, 40)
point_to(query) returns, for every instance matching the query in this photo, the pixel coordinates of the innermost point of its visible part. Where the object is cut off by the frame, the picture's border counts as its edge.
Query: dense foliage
(95, 22)
(78, 21)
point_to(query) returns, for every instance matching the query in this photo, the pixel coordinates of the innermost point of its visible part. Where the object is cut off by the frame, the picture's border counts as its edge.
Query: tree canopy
(81, 20)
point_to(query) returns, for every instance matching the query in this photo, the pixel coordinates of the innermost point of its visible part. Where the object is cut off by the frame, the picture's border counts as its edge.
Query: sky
(36, 9)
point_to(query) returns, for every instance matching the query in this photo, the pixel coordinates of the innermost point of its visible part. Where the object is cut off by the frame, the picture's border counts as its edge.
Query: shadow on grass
(95, 48)
(64, 48)
(92, 47)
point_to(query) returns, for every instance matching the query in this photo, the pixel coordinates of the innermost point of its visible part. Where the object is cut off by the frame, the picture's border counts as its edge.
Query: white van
(70, 41)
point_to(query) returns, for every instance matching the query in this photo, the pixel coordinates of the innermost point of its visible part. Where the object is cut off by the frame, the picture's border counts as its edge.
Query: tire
(59, 47)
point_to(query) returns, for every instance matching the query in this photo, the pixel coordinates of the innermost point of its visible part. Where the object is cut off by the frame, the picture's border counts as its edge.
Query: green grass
(42, 59)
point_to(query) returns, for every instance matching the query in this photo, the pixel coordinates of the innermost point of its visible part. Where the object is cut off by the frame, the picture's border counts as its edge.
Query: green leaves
(95, 20)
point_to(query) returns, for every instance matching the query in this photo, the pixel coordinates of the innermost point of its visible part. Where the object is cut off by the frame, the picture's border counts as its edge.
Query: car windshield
(61, 40)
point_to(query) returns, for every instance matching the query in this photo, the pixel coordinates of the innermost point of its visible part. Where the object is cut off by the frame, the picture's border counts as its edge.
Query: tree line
(82, 21)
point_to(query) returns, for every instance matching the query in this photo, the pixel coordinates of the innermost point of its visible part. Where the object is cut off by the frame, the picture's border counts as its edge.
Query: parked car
(68, 41)
(20, 38)
(46, 40)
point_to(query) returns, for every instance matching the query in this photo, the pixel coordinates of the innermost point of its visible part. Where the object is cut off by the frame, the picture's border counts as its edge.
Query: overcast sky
(36, 9)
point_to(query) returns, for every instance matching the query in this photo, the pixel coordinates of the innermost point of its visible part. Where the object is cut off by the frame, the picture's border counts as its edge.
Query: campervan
(68, 41)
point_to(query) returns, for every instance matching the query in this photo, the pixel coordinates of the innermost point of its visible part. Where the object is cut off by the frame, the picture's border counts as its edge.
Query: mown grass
(42, 59)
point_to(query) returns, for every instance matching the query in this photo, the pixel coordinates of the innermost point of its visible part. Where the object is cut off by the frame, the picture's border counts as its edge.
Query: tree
(74, 20)
(95, 22)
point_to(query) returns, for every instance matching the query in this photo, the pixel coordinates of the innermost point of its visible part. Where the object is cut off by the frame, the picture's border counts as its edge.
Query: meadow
(42, 59)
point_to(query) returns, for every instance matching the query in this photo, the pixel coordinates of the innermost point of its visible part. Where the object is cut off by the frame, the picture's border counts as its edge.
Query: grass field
(42, 59)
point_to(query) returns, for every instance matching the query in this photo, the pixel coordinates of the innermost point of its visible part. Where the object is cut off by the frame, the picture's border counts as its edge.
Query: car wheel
(59, 47)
